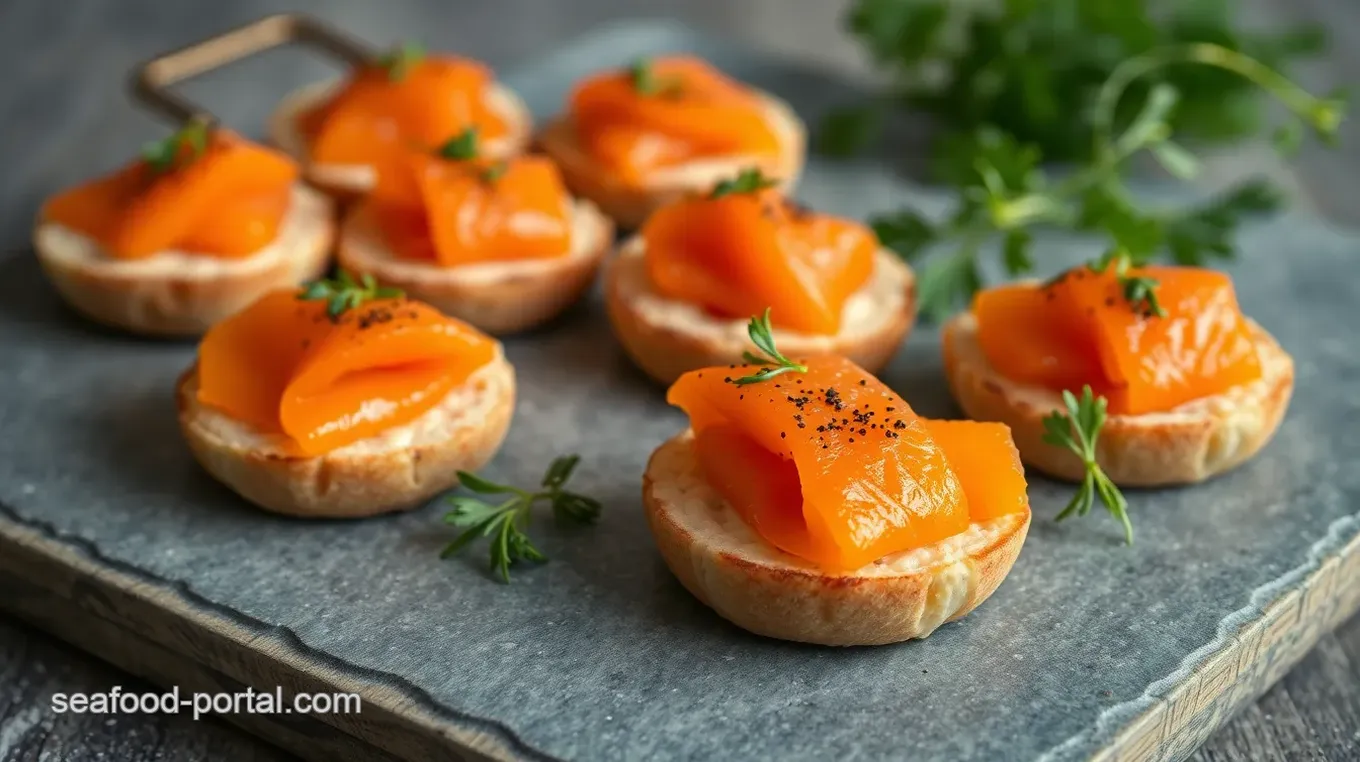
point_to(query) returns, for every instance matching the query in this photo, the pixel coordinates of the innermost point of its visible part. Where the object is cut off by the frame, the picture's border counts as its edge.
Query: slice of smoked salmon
(1082, 330)
(523, 213)
(1052, 352)
(227, 202)
(871, 480)
(692, 111)
(373, 112)
(457, 212)
(285, 367)
(984, 457)
(740, 253)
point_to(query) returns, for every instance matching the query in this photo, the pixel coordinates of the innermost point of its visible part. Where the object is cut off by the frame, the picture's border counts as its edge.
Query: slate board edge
(1137, 729)
(287, 654)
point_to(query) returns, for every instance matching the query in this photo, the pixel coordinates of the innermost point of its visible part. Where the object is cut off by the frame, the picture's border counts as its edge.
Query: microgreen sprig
(748, 180)
(465, 147)
(776, 363)
(504, 523)
(460, 147)
(1078, 430)
(399, 61)
(163, 155)
(647, 82)
(1139, 291)
(344, 293)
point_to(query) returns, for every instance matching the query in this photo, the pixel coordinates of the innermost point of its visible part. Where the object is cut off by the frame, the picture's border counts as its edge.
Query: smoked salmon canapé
(814, 505)
(198, 227)
(678, 293)
(1191, 387)
(344, 399)
(499, 243)
(340, 130)
(635, 138)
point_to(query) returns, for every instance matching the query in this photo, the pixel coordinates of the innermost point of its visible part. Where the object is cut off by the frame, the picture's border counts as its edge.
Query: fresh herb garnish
(399, 61)
(1025, 68)
(1005, 194)
(763, 337)
(164, 155)
(460, 147)
(1139, 291)
(495, 171)
(506, 521)
(344, 293)
(464, 147)
(1078, 430)
(747, 181)
(647, 82)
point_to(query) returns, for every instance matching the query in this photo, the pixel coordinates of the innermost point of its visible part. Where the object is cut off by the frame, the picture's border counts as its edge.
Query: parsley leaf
(343, 293)
(762, 335)
(399, 61)
(746, 181)
(460, 147)
(1078, 429)
(504, 522)
(166, 154)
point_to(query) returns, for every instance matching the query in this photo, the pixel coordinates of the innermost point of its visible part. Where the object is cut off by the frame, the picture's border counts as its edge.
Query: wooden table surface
(1313, 714)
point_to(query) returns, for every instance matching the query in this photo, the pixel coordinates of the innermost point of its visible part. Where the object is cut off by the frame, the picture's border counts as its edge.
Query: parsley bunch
(1025, 68)
(1004, 193)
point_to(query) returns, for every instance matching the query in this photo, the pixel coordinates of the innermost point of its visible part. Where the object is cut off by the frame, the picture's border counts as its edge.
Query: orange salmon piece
(1082, 330)
(985, 458)
(743, 252)
(697, 112)
(372, 114)
(872, 481)
(284, 366)
(452, 212)
(228, 202)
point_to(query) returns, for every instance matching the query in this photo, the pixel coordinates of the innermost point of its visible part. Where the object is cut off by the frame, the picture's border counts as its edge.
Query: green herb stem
(774, 362)
(1322, 115)
(506, 522)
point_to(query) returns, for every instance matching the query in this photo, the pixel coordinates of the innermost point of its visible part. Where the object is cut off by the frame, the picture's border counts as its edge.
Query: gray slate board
(601, 654)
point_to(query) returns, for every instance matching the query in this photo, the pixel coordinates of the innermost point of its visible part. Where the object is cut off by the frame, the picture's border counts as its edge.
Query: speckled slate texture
(600, 654)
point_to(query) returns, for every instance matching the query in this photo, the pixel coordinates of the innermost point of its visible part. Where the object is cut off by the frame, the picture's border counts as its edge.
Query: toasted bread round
(757, 587)
(178, 294)
(666, 337)
(348, 180)
(1187, 444)
(497, 297)
(629, 204)
(398, 469)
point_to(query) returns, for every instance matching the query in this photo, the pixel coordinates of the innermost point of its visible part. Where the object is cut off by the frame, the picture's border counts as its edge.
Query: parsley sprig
(504, 523)
(399, 61)
(646, 81)
(748, 180)
(465, 146)
(1078, 430)
(1004, 194)
(775, 363)
(1140, 291)
(343, 293)
(460, 147)
(165, 154)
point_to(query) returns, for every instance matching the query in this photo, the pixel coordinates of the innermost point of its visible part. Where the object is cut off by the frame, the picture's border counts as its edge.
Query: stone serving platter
(112, 538)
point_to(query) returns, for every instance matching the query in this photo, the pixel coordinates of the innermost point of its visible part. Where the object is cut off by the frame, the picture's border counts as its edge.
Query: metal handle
(152, 80)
